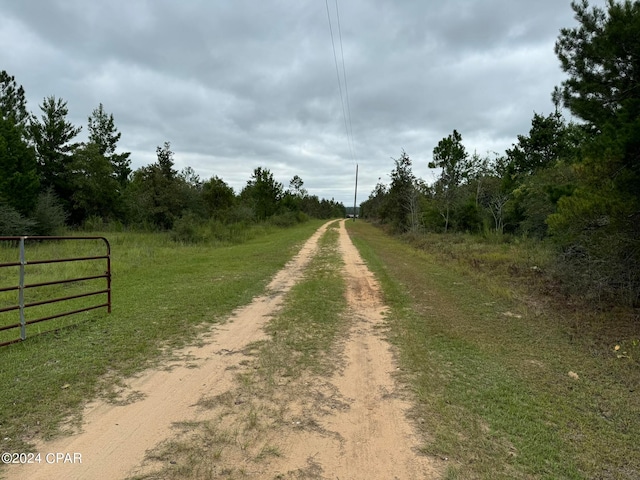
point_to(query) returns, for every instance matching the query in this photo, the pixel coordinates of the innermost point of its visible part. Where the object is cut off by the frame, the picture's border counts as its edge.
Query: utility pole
(355, 195)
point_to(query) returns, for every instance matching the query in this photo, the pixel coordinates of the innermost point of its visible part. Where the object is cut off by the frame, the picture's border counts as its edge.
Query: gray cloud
(236, 85)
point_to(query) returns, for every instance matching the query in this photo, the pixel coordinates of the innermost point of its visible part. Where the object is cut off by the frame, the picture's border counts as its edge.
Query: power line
(349, 128)
(335, 58)
(344, 73)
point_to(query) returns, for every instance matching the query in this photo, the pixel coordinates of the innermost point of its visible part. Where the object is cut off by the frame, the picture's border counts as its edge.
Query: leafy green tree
(312, 206)
(52, 135)
(599, 224)
(156, 193)
(99, 174)
(103, 132)
(192, 189)
(218, 197)
(296, 187)
(19, 184)
(451, 157)
(602, 58)
(263, 193)
(13, 103)
(536, 169)
(466, 216)
(536, 198)
(95, 189)
(479, 168)
(165, 162)
(546, 143)
(294, 195)
(330, 209)
(49, 215)
(402, 199)
(189, 176)
(373, 207)
(494, 199)
(12, 223)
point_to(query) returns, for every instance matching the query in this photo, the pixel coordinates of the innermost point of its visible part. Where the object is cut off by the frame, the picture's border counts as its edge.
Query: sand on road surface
(369, 438)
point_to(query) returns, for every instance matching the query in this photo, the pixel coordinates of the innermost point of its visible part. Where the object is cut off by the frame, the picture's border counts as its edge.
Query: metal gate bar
(22, 286)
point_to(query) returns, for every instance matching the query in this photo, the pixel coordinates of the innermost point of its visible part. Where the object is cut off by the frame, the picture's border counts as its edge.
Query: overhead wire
(349, 128)
(335, 58)
(344, 73)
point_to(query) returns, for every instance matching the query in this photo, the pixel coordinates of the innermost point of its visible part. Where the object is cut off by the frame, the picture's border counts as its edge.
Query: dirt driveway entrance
(366, 437)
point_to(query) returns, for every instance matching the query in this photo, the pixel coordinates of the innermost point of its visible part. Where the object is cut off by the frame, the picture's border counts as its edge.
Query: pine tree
(103, 133)
(19, 184)
(52, 137)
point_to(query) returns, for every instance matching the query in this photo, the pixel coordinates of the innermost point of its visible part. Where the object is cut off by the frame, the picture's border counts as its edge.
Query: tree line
(48, 180)
(575, 182)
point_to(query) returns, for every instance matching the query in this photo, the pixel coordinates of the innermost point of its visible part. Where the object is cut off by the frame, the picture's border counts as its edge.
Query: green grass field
(507, 384)
(503, 390)
(164, 293)
(37, 273)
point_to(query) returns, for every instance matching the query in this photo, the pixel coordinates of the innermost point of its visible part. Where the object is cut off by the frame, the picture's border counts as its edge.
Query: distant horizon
(234, 86)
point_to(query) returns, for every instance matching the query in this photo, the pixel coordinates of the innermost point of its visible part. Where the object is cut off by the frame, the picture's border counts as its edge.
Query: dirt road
(369, 437)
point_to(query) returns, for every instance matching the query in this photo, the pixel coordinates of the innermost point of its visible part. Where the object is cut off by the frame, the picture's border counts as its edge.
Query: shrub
(288, 219)
(188, 229)
(49, 215)
(94, 223)
(239, 214)
(14, 224)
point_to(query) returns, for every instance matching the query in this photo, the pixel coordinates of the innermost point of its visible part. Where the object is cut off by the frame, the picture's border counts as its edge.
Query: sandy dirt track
(368, 439)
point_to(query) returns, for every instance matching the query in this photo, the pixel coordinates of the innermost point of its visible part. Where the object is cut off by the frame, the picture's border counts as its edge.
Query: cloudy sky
(238, 84)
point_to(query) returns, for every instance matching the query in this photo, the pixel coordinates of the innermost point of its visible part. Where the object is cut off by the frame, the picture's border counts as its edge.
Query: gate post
(23, 325)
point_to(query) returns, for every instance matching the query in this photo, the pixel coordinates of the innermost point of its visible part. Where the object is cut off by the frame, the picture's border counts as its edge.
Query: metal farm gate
(22, 279)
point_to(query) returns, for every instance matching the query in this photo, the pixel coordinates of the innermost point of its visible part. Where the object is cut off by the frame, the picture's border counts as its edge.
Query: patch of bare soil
(115, 437)
(198, 415)
(379, 442)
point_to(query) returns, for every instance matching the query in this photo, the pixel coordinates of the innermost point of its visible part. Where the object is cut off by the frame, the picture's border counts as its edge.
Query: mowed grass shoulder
(503, 390)
(164, 294)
